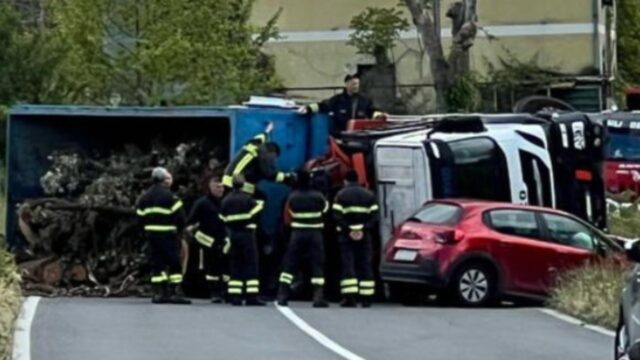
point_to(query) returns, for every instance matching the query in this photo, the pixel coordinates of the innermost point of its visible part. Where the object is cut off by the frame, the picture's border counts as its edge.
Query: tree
(376, 30)
(449, 71)
(146, 51)
(628, 41)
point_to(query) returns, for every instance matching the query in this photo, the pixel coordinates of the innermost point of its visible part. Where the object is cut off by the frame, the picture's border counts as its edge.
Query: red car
(478, 251)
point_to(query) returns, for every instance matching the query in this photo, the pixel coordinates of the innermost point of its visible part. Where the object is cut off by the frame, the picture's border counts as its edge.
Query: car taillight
(449, 237)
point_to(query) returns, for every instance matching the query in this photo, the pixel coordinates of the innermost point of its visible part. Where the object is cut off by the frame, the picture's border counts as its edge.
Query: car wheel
(474, 285)
(621, 349)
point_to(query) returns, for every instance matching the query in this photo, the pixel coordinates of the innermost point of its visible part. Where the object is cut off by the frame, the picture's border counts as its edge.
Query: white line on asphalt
(317, 335)
(574, 321)
(22, 335)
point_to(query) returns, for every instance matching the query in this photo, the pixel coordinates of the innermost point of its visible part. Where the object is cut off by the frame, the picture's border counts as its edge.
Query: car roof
(482, 205)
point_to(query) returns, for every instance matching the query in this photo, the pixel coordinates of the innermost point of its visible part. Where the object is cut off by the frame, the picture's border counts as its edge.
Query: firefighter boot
(235, 300)
(318, 298)
(283, 295)
(252, 300)
(176, 296)
(216, 290)
(160, 294)
(365, 302)
(349, 301)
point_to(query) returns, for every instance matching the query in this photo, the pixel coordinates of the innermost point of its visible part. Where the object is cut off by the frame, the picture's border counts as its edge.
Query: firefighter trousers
(244, 264)
(164, 253)
(306, 246)
(212, 263)
(356, 266)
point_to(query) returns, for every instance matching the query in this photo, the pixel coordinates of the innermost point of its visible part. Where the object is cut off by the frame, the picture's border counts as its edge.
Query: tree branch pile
(83, 236)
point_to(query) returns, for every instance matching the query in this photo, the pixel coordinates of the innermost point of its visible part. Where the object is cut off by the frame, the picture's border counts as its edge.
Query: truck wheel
(474, 285)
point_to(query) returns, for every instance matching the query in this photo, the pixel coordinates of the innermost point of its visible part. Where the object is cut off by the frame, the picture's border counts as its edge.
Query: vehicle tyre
(621, 345)
(474, 285)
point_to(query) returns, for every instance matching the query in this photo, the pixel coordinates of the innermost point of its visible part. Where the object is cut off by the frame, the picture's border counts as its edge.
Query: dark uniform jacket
(255, 164)
(344, 107)
(307, 209)
(206, 213)
(239, 211)
(160, 211)
(355, 209)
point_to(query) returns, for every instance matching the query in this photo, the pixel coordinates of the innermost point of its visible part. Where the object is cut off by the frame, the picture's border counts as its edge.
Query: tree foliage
(376, 30)
(143, 52)
(628, 41)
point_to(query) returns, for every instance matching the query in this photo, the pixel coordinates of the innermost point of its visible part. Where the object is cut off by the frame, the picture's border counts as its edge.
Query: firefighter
(239, 212)
(212, 243)
(256, 161)
(355, 211)
(307, 209)
(162, 216)
(348, 105)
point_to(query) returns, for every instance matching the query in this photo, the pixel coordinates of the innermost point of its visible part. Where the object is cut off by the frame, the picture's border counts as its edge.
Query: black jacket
(206, 213)
(239, 211)
(160, 211)
(254, 163)
(344, 107)
(355, 208)
(307, 209)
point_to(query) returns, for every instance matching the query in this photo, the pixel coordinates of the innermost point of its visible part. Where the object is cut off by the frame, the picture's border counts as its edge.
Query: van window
(481, 170)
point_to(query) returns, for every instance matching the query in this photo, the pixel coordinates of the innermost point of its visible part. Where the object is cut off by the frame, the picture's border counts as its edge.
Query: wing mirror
(632, 248)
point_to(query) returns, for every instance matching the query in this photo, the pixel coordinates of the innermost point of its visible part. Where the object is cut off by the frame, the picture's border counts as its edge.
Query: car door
(574, 241)
(526, 257)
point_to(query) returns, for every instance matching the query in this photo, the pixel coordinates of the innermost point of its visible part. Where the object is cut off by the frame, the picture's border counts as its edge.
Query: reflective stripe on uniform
(326, 207)
(355, 209)
(286, 278)
(212, 278)
(248, 188)
(253, 290)
(253, 286)
(349, 282)
(349, 290)
(280, 177)
(356, 227)
(160, 210)
(234, 291)
(305, 215)
(235, 283)
(314, 107)
(242, 164)
(161, 228)
(253, 283)
(297, 225)
(252, 226)
(226, 247)
(367, 284)
(226, 278)
(319, 281)
(175, 278)
(159, 278)
(227, 181)
(243, 216)
(262, 137)
(204, 239)
(367, 292)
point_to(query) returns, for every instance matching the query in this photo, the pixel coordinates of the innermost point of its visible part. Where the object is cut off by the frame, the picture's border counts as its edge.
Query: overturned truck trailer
(86, 165)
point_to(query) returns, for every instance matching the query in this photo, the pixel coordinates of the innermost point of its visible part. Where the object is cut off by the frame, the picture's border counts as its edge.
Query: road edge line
(315, 334)
(574, 321)
(22, 335)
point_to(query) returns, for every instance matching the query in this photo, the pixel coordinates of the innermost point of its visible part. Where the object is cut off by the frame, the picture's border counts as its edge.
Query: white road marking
(577, 322)
(22, 335)
(317, 335)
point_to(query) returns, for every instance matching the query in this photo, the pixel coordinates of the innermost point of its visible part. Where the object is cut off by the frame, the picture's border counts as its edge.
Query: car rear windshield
(438, 213)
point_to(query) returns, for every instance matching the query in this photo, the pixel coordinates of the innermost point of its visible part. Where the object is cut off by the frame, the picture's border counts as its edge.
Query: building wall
(562, 35)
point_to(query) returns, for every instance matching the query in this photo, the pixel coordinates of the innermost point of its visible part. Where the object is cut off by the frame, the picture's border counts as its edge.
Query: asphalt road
(119, 329)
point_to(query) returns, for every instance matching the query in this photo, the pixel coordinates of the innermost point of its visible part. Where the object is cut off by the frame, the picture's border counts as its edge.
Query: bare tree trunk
(432, 43)
(446, 71)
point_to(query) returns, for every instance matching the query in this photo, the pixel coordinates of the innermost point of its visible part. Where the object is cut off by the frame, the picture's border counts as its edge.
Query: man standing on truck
(307, 209)
(212, 243)
(239, 212)
(348, 105)
(162, 216)
(355, 210)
